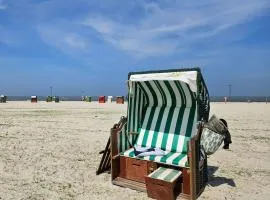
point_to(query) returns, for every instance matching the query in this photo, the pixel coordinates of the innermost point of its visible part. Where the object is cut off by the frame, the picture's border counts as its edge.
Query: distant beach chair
(49, 99)
(166, 112)
(56, 99)
(120, 99)
(101, 99)
(88, 99)
(34, 99)
(109, 100)
(3, 99)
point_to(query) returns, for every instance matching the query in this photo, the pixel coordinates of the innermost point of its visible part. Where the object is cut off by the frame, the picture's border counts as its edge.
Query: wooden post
(193, 168)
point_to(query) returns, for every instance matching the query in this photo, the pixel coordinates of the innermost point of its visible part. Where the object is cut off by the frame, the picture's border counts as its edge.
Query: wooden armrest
(116, 156)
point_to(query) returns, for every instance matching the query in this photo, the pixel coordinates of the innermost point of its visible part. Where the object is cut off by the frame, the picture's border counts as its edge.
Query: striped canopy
(165, 106)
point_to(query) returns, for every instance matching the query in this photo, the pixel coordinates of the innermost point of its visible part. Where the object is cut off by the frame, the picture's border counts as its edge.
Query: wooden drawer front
(158, 189)
(136, 169)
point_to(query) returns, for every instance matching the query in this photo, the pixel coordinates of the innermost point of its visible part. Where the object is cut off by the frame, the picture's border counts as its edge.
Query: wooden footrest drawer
(163, 183)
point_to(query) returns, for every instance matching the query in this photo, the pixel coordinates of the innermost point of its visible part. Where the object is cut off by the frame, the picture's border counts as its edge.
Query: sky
(88, 47)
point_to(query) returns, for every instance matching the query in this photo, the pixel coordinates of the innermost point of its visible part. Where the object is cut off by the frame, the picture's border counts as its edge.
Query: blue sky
(91, 46)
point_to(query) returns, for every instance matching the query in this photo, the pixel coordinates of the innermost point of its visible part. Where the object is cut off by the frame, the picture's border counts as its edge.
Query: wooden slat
(105, 163)
(129, 184)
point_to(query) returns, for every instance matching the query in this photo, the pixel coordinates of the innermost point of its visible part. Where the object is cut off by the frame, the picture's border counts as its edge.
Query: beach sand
(50, 151)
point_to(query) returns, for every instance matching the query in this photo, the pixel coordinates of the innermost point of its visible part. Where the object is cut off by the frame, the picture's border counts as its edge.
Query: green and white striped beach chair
(166, 110)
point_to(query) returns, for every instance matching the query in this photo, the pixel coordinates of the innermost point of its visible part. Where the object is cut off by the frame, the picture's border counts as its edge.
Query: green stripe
(157, 127)
(164, 158)
(152, 113)
(145, 93)
(135, 107)
(191, 115)
(178, 128)
(148, 126)
(173, 97)
(182, 93)
(177, 160)
(171, 175)
(155, 101)
(163, 95)
(132, 154)
(185, 145)
(161, 116)
(170, 112)
(158, 172)
(135, 112)
(152, 157)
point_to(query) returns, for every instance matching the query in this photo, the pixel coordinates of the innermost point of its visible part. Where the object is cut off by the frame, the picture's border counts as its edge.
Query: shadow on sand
(214, 180)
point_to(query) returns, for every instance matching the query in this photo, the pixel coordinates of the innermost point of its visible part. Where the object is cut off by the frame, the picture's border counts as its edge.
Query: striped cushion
(168, 128)
(165, 174)
(171, 158)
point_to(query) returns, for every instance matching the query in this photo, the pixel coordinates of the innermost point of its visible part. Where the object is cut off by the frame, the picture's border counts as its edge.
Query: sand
(50, 151)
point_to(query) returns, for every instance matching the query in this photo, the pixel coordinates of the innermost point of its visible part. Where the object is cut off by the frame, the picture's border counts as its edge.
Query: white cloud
(166, 28)
(64, 39)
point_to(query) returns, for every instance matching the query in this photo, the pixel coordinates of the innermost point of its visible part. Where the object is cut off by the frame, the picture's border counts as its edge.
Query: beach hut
(3, 99)
(88, 99)
(149, 148)
(56, 99)
(34, 99)
(120, 99)
(101, 99)
(109, 99)
(49, 99)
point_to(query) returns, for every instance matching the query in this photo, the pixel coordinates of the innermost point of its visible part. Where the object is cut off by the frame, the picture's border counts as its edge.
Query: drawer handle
(136, 164)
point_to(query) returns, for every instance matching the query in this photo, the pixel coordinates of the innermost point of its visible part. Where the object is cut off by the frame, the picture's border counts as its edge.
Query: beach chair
(166, 110)
(3, 99)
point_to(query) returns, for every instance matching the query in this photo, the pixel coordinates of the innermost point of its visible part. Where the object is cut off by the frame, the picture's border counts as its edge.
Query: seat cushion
(170, 158)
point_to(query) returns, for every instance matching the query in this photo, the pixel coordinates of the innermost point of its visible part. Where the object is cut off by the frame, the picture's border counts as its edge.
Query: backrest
(165, 108)
(170, 116)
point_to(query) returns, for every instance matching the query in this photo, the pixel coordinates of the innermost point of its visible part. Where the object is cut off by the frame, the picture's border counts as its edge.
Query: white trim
(189, 77)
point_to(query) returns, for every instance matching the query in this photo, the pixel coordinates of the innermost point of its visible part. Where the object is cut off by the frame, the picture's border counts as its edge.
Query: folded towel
(148, 151)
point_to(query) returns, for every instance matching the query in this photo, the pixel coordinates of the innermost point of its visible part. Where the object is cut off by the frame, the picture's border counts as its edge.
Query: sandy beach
(50, 151)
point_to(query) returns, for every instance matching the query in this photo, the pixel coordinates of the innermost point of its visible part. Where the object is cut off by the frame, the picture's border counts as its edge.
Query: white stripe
(171, 158)
(148, 93)
(146, 118)
(157, 92)
(126, 153)
(177, 94)
(183, 161)
(164, 174)
(135, 128)
(194, 126)
(167, 93)
(172, 128)
(169, 141)
(185, 122)
(162, 127)
(180, 143)
(153, 124)
(176, 176)
(132, 108)
(140, 137)
(187, 95)
(141, 100)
